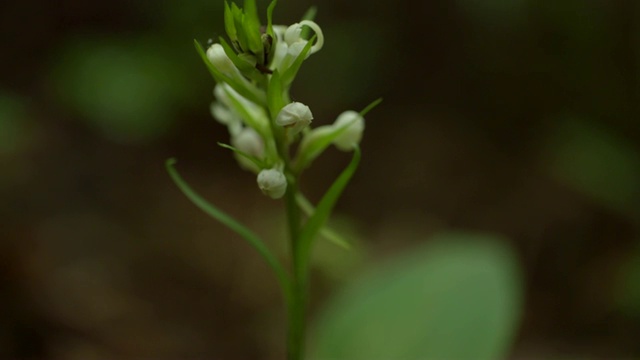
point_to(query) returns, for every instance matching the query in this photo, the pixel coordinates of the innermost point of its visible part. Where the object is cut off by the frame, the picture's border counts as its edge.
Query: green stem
(298, 296)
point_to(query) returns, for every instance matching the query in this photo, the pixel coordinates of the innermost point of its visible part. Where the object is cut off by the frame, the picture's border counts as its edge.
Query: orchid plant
(253, 72)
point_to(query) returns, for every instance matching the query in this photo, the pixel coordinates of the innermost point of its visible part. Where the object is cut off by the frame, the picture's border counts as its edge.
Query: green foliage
(248, 235)
(292, 71)
(275, 95)
(243, 27)
(246, 67)
(322, 213)
(272, 6)
(251, 24)
(370, 107)
(596, 162)
(264, 82)
(628, 286)
(251, 158)
(128, 90)
(323, 136)
(229, 23)
(457, 297)
(327, 233)
(261, 128)
(15, 130)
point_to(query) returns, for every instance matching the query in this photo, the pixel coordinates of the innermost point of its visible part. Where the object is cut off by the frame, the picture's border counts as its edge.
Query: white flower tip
(293, 32)
(295, 116)
(350, 137)
(220, 60)
(248, 141)
(272, 182)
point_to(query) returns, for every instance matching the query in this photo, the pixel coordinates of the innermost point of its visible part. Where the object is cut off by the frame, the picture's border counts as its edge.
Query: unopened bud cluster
(254, 71)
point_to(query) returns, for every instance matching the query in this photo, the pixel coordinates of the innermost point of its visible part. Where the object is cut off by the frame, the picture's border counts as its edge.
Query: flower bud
(295, 116)
(293, 32)
(294, 50)
(350, 137)
(272, 182)
(220, 60)
(248, 141)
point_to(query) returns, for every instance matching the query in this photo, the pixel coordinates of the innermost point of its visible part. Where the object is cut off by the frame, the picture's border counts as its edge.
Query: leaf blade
(456, 296)
(249, 236)
(325, 231)
(323, 211)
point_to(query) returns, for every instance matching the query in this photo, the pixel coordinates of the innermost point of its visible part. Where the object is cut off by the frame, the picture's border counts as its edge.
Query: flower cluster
(254, 72)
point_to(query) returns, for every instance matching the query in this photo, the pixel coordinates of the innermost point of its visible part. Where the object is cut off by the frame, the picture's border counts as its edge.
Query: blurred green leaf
(458, 297)
(495, 12)
(127, 89)
(628, 286)
(15, 128)
(338, 265)
(596, 162)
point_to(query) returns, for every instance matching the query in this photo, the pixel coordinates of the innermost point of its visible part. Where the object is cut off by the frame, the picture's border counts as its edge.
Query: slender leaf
(310, 14)
(275, 100)
(248, 235)
(272, 6)
(251, 12)
(322, 213)
(217, 75)
(247, 116)
(325, 231)
(315, 142)
(292, 71)
(318, 140)
(251, 158)
(238, 16)
(229, 24)
(251, 23)
(244, 66)
(370, 107)
(238, 21)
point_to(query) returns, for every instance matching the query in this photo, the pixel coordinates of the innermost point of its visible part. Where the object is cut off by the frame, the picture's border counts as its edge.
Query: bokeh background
(517, 118)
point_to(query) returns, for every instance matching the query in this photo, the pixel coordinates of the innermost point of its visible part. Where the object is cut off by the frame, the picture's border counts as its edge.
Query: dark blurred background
(516, 117)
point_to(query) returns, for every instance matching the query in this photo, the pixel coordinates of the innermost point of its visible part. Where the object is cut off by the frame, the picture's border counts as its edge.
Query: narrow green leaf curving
(322, 213)
(292, 71)
(325, 231)
(370, 107)
(248, 235)
(251, 158)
